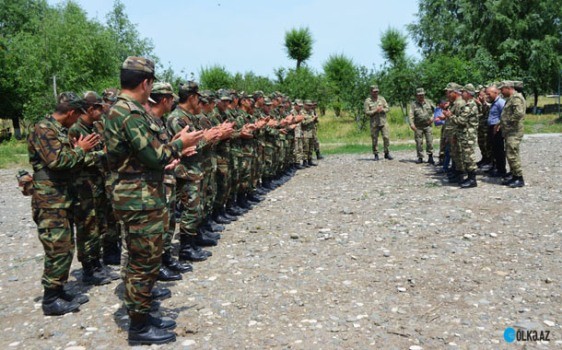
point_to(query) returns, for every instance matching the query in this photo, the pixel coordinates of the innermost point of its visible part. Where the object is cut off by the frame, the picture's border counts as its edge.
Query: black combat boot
(213, 235)
(54, 305)
(430, 160)
(420, 160)
(311, 163)
(233, 210)
(91, 277)
(167, 275)
(72, 297)
(104, 270)
(305, 164)
(191, 251)
(220, 219)
(517, 182)
(143, 332)
(160, 293)
(161, 323)
(111, 253)
(470, 181)
(376, 157)
(242, 202)
(508, 179)
(318, 155)
(229, 217)
(202, 239)
(298, 166)
(455, 177)
(388, 156)
(173, 264)
(253, 197)
(210, 225)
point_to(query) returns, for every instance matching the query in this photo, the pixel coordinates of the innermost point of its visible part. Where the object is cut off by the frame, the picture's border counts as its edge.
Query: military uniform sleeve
(411, 114)
(54, 153)
(146, 146)
(385, 107)
(367, 107)
(462, 118)
(518, 109)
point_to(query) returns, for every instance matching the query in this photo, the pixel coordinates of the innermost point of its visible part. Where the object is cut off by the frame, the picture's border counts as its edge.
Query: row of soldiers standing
(111, 167)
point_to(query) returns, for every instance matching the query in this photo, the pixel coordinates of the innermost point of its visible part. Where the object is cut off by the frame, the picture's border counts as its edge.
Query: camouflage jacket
(456, 109)
(466, 121)
(137, 156)
(370, 106)
(95, 161)
(189, 167)
(513, 113)
(52, 155)
(421, 114)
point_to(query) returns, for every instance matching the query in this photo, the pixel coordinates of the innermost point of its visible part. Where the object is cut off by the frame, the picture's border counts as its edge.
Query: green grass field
(338, 135)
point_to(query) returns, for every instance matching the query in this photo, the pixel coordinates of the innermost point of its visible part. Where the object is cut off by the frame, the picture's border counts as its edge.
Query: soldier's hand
(413, 128)
(272, 123)
(226, 131)
(211, 135)
(283, 131)
(300, 118)
(190, 138)
(172, 164)
(496, 128)
(87, 142)
(188, 151)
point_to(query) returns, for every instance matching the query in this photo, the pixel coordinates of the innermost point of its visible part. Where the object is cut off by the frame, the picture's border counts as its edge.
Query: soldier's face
(420, 98)
(375, 94)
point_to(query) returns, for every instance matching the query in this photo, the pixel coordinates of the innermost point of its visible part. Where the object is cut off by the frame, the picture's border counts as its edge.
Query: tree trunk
(298, 64)
(536, 93)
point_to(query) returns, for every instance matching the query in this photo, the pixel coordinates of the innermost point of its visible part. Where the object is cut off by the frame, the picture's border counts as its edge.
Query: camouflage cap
(208, 96)
(453, 87)
(110, 94)
(505, 84)
(374, 88)
(420, 91)
(480, 87)
(298, 102)
(233, 93)
(469, 88)
(190, 87)
(139, 64)
(308, 102)
(518, 84)
(162, 88)
(225, 95)
(92, 98)
(258, 94)
(267, 101)
(73, 100)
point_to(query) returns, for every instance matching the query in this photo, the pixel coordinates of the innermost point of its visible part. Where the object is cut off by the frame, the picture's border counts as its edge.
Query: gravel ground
(352, 254)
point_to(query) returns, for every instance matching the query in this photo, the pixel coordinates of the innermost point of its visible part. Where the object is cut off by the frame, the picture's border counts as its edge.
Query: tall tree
(340, 73)
(522, 38)
(298, 43)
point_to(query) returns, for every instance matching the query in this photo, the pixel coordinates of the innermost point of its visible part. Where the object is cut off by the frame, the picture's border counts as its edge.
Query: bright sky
(248, 35)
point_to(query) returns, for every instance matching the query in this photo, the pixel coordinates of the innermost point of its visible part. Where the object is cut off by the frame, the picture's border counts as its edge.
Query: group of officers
(122, 168)
(488, 116)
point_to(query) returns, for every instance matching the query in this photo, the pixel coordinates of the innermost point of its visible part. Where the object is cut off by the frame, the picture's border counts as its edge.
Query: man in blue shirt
(494, 133)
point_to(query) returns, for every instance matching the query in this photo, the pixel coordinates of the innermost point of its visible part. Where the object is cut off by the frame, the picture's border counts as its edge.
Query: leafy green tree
(215, 77)
(300, 83)
(393, 45)
(521, 37)
(129, 41)
(298, 43)
(341, 74)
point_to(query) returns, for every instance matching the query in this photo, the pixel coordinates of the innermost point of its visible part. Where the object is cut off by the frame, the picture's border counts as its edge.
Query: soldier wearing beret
(54, 158)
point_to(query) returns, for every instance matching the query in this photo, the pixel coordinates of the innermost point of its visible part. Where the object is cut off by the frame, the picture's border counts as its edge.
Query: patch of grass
(544, 123)
(13, 153)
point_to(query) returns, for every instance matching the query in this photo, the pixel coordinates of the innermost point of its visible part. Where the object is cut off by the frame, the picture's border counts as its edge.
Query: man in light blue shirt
(494, 134)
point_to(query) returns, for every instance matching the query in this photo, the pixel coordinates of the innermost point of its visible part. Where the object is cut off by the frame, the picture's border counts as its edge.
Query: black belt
(49, 175)
(150, 176)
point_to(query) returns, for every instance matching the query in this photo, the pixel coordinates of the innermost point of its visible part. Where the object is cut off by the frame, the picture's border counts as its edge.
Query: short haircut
(159, 97)
(130, 79)
(64, 108)
(184, 95)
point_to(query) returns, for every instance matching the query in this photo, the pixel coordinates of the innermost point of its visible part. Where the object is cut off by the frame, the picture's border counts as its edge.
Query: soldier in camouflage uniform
(467, 127)
(307, 126)
(316, 126)
(512, 117)
(91, 208)
(455, 109)
(421, 118)
(376, 107)
(161, 101)
(137, 157)
(483, 138)
(54, 158)
(190, 175)
(298, 152)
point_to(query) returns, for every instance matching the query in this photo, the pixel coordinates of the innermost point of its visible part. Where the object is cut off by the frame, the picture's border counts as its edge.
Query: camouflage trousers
(279, 155)
(467, 145)
(113, 229)
(56, 236)
(269, 157)
(289, 151)
(384, 130)
(308, 147)
(512, 150)
(484, 141)
(235, 162)
(257, 162)
(223, 181)
(210, 183)
(143, 232)
(170, 212)
(419, 135)
(298, 152)
(90, 217)
(190, 193)
(455, 149)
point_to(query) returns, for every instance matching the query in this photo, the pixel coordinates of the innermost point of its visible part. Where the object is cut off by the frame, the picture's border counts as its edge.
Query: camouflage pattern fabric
(421, 115)
(308, 141)
(137, 156)
(49, 149)
(452, 133)
(467, 127)
(377, 122)
(512, 117)
(483, 138)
